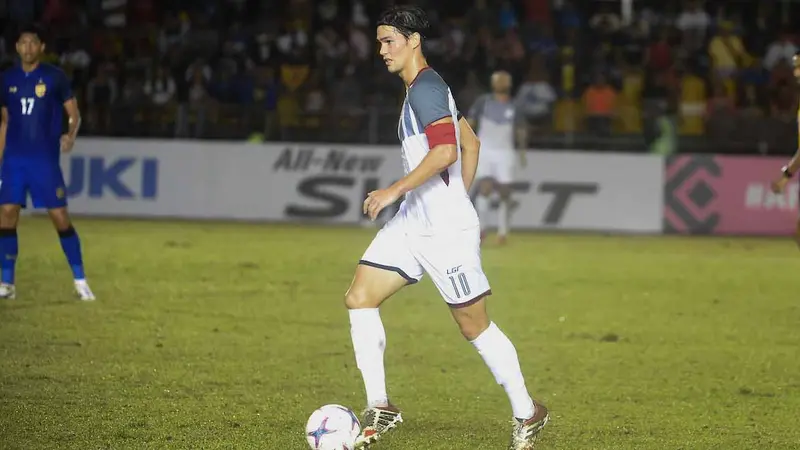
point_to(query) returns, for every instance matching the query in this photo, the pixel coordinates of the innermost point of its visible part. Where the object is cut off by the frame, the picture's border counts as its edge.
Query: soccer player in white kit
(500, 126)
(435, 231)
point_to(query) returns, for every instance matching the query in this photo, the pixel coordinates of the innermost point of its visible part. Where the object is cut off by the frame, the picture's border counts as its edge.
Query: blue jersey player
(34, 96)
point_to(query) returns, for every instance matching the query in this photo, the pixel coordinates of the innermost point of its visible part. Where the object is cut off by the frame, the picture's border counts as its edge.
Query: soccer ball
(332, 427)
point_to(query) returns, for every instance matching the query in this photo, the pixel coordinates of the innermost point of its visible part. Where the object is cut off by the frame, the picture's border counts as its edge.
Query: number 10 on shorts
(461, 283)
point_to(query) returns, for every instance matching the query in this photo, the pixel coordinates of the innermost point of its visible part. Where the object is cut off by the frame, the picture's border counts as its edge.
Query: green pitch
(220, 336)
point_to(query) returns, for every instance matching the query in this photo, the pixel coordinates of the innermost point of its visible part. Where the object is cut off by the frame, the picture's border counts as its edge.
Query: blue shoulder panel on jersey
(428, 97)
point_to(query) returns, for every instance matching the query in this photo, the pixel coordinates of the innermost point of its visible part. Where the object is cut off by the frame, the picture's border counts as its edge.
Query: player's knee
(473, 328)
(61, 220)
(472, 320)
(9, 217)
(359, 298)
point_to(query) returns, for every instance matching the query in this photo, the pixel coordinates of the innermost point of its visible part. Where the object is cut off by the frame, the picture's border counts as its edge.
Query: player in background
(501, 128)
(435, 231)
(788, 171)
(34, 97)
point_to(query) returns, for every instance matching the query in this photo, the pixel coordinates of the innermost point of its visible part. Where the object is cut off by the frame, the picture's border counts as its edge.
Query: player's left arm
(788, 171)
(73, 113)
(470, 153)
(3, 130)
(3, 116)
(521, 134)
(429, 99)
(442, 154)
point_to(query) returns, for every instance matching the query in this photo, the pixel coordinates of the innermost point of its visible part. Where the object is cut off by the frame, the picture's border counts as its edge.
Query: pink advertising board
(727, 195)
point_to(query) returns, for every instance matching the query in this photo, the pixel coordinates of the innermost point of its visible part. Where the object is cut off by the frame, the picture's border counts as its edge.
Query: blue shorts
(42, 180)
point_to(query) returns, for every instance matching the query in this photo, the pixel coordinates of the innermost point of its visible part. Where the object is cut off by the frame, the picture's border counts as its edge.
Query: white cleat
(8, 291)
(83, 291)
(524, 433)
(376, 422)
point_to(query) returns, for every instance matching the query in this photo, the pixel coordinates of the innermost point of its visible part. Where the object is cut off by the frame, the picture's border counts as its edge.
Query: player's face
(501, 83)
(394, 48)
(30, 48)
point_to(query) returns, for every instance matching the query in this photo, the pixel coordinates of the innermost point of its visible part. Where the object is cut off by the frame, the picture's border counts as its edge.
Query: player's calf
(500, 356)
(71, 245)
(503, 213)
(483, 203)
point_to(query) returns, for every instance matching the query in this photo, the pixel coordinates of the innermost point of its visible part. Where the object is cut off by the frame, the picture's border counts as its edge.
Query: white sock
(369, 343)
(500, 355)
(482, 206)
(502, 218)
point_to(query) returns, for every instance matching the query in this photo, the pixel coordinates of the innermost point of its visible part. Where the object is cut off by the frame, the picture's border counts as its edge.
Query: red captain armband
(441, 134)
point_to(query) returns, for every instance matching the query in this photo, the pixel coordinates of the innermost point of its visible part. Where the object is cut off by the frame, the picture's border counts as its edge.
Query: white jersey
(496, 122)
(441, 204)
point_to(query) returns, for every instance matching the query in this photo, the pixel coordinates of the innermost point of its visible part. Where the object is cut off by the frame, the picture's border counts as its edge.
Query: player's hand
(67, 143)
(779, 184)
(377, 200)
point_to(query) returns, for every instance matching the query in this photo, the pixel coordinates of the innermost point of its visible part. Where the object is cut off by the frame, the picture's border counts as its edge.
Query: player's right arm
(3, 115)
(70, 105)
(470, 152)
(429, 99)
(789, 169)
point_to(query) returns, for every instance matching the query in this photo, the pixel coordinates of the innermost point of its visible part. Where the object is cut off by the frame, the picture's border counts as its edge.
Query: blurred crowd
(664, 76)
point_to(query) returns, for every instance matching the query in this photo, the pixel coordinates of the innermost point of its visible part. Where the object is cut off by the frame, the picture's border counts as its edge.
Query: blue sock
(71, 244)
(10, 248)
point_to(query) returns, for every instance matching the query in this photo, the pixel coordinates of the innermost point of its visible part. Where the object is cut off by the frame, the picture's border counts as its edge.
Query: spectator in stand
(659, 54)
(605, 22)
(782, 49)
(721, 116)
(543, 43)
(692, 101)
(536, 96)
(693, 22)
(728, 55)
(599, 102)
(173, 32)
(570, 56)
(467, 42)
(160, 86)
(538, 13)
(199, 102)
(101, 93)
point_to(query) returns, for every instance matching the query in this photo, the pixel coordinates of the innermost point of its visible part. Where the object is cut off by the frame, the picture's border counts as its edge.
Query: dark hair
(33, 29)
(407, 19)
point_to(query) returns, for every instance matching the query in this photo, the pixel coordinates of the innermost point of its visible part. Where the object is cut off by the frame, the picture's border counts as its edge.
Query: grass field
(220, 336)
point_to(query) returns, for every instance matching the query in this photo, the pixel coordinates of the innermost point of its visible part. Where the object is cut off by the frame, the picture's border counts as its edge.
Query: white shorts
(452, 260)
(497, 165)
